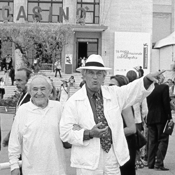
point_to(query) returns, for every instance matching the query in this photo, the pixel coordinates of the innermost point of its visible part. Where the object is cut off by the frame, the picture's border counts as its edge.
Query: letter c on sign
(8, 18)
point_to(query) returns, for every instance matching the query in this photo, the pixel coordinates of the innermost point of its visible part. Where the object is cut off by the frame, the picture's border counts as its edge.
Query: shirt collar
(91, 93)
(34, 107)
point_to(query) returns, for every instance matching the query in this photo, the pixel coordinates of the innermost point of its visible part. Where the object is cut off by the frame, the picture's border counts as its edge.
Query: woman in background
(140, 113)
(129, 128)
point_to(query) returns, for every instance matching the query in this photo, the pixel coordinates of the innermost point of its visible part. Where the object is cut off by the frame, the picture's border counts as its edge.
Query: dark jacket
(159, 110)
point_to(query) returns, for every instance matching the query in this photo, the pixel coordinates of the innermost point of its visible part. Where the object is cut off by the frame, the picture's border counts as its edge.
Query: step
(10, 90)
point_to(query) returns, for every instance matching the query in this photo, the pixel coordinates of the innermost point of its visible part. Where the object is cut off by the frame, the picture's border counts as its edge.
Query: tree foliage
(47, 40)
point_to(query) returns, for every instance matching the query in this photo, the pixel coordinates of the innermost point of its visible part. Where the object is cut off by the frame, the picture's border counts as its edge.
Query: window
(92, 10)
(48, 7)
(7, 12)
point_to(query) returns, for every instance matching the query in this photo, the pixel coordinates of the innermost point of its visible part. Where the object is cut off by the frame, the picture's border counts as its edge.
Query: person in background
(129, 128)
(83, 61)
(170, 83)
(8, 61)
(141, 72)
(158, 114)
(35, 135)
(82, 83)
(53, 94)
(6, 77)
(140, 112)
(0, 133)
(91, 120)
(2, 88)
(64, 92)
(12, 75)
(72, 81)
(21, 78)
(58, 68)
(3, 64)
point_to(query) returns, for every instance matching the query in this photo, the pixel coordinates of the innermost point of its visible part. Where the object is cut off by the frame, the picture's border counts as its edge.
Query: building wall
(162, 19)
(122, 16)
(118, 15)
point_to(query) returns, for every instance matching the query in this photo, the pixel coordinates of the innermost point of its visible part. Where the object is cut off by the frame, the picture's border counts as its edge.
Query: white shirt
(35, 135)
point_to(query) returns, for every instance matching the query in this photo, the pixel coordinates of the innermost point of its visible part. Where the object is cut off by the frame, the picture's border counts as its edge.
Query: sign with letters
(131, 50)
(37, 13)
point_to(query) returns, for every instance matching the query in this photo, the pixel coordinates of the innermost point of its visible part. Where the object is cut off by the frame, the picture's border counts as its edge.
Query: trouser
(108, 165)
(12, 80)
(129, 167)
(144, 149)
(58, 70)
(158, 144)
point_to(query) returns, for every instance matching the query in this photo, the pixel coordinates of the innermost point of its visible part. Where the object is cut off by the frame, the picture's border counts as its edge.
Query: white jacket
(77, 110)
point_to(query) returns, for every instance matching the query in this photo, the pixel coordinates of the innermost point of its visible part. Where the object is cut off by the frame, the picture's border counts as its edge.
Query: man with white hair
(35, 133)
(92, 122)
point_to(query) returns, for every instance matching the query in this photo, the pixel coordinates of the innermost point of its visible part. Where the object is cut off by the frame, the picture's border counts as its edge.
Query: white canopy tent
(166, 51)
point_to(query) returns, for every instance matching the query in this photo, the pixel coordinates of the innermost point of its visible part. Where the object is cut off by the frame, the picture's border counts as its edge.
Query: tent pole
(159, 58)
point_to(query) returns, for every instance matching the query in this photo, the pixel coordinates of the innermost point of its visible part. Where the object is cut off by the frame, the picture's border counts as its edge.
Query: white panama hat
(94, 62)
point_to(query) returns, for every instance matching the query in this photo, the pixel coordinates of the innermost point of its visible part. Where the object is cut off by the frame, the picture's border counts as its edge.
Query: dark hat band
(94, 64)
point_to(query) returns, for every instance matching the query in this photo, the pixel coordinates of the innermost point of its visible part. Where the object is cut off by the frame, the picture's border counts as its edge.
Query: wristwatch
(90, 136)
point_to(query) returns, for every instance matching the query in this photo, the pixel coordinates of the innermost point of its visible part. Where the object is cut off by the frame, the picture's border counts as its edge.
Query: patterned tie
(105, 141)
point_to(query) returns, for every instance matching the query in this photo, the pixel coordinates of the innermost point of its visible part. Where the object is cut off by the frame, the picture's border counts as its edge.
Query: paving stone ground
(6, 121)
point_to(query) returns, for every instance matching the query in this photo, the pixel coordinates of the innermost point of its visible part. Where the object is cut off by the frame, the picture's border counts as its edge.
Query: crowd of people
(99, 123)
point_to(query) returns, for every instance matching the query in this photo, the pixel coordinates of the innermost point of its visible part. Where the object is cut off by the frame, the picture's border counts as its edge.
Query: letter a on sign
(21, 14)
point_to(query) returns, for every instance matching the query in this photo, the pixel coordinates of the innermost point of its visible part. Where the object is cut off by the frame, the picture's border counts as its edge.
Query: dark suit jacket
(159, 110)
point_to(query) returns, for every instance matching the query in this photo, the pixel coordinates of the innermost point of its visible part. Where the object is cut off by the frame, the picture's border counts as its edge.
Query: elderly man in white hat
(92, 121)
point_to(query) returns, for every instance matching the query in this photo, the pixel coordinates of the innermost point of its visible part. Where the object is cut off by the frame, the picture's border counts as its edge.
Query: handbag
(168, 129)
(140, 139)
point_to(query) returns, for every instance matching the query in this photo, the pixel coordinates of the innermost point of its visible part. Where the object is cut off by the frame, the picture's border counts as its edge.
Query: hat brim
(93, 68)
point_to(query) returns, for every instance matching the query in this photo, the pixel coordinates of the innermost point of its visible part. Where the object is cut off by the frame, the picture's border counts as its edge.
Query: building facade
(94, 23)
(163, 26)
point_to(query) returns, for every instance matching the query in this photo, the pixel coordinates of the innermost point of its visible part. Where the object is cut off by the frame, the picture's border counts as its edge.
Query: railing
(46, 66)
(6, 165)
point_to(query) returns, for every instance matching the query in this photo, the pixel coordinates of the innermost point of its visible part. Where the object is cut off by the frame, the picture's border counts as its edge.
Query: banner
(131, 50)
(68, 59)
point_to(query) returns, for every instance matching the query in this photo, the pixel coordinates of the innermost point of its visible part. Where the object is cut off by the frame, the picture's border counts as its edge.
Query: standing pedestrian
(64, 92)
(21, 78)
(12, 75)
(141, 72)
(6, 77)
(92, 122)
(58, 68)
(2, 88)
(159, 112)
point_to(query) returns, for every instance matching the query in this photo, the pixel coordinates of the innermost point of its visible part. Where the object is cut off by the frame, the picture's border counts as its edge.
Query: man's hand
(15, 172)
(170, 122)
(154, 77)
(97, 130)
(76, 127)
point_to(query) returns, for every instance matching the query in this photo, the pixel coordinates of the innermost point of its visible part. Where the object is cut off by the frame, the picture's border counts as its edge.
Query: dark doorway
(82, 52)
